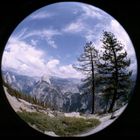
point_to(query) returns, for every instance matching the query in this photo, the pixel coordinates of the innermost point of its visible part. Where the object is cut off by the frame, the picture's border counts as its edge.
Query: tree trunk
(113, 102)
(92, 112)
(116, 82)
(93, 85)
(106, 106)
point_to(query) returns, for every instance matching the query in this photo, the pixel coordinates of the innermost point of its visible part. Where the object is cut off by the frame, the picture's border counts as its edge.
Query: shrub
(62, 126)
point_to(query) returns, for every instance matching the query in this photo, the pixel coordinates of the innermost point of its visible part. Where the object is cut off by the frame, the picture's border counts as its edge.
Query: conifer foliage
(113, 69)
(87, 65)
(107, 68)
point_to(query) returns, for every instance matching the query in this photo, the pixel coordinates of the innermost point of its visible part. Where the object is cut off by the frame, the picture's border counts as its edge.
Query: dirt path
(105, 121)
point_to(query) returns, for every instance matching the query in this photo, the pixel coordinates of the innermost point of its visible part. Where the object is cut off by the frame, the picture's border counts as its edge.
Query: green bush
(62, 126)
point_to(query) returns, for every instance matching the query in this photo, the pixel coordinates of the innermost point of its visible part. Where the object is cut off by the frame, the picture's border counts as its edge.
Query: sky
(49, 40)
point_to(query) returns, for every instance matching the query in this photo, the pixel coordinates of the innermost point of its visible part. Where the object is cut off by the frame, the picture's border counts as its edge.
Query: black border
(127, 13)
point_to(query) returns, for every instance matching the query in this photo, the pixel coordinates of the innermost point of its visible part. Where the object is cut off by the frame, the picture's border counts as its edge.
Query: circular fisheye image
(69, 69)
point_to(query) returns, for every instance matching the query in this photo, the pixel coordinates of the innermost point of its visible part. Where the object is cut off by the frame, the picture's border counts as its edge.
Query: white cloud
(92, 12)
(51, 42)
(34, 42)
(122, 36)
(46, 34)
(119, 32)
(40, 15)
(22, 33)
(69, 71)
(49, 32)
(52, 64)
(66, 71)
(25, 59)
(43, 33)
(90, 35)
(22, 58)
(74, 27)
(80, 24)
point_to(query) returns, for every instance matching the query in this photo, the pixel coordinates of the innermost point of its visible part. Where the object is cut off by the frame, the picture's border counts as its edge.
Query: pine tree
(86, 65)
(113, 68)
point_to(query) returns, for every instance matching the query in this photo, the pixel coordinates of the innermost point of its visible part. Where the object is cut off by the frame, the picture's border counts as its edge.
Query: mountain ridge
(59, 93)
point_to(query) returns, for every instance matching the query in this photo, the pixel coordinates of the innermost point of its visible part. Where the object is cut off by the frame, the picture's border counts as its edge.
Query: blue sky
(49, 40)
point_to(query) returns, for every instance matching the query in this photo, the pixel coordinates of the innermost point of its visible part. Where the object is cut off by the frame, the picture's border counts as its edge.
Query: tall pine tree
(86, 65)
(113, 68)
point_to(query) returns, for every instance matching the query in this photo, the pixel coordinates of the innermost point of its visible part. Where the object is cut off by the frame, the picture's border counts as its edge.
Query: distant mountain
(21, 83)
(49, 94)
(66, 85)
(63, 94)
